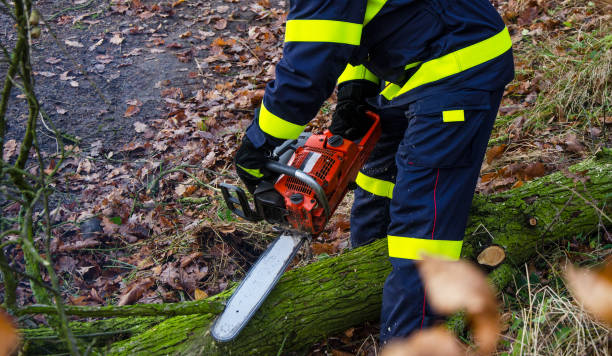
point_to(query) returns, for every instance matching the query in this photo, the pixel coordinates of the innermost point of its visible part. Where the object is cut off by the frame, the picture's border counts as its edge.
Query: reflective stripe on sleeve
(356, 73)
(254, 172)
(323, 31)
(277, 127)
(375, 186)
(372, 9)
(412, 248)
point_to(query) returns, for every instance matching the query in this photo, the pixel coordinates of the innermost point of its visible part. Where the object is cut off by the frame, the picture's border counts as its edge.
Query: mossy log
(335, 294)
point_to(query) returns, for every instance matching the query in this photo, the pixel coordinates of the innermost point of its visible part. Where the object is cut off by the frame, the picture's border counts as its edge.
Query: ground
(152, 98)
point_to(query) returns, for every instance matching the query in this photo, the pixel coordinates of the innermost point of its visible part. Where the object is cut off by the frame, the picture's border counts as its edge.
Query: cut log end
(492, 256)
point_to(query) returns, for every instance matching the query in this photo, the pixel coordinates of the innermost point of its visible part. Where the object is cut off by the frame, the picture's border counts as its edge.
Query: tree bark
(335, 294)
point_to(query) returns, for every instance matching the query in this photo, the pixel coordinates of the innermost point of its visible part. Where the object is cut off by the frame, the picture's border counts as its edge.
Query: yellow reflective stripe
(390, 91)
(277, 127)
(375, 186)
(254, 172)
(356, 73)
(413, 249)
(453, 115)
(323, 31)
(412, 65)
(372, 9)
(459, 61)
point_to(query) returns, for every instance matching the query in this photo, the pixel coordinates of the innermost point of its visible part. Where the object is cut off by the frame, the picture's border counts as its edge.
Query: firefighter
(442, 66)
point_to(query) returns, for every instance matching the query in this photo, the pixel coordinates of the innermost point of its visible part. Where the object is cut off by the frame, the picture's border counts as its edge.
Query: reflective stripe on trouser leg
(370, 212)
(430, 203)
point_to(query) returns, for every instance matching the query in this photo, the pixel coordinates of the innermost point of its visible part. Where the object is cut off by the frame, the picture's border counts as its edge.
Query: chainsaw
(315, 173)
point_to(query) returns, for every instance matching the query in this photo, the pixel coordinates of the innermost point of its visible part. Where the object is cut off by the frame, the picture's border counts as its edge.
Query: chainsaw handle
(303, 177)
(238, 198)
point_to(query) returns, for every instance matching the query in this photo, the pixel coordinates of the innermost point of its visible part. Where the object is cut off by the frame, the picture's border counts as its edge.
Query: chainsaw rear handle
(303, 177)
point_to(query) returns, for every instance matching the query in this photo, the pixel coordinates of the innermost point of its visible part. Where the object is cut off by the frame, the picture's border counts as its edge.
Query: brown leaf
(131, 111)
(431, 342)
(453, 286)
(487, 177)
(73, 43)
(140, 127)
(135, 290)
(220, 24)
(185, 261)
(534, 170)
(573, 145)
(227, 228)
(78, 245)
(200, 294)
(9, 338)
(171, 276)
(322, 247)
(495, 152)
(592, 288)
(10, 148)
(116, 39)
(177, 3)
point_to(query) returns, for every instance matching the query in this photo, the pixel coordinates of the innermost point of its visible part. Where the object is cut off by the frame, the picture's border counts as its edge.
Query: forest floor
(152, 98)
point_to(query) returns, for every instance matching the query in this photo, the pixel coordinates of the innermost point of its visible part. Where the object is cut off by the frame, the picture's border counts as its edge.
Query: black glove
(349, 119)
(250, 163)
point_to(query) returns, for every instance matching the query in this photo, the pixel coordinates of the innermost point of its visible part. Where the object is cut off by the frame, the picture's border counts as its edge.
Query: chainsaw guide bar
(255, 287)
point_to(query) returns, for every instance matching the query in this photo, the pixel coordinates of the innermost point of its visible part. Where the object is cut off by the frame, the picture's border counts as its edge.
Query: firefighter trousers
(416, 189)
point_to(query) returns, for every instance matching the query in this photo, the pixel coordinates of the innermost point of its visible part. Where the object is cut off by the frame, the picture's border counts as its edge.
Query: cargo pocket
(442, 129)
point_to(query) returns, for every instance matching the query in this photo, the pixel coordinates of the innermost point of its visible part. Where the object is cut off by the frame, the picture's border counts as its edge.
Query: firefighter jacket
(414, 48)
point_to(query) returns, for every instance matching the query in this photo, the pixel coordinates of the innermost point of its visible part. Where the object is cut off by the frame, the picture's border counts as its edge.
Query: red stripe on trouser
(432, 236)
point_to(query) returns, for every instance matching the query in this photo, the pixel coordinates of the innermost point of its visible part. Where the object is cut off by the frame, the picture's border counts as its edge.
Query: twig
(588, 202)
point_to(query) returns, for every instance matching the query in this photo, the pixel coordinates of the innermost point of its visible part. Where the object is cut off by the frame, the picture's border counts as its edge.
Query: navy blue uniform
(443, 65)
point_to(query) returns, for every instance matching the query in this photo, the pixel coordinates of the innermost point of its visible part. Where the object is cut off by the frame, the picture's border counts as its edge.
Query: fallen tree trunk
(335, 294)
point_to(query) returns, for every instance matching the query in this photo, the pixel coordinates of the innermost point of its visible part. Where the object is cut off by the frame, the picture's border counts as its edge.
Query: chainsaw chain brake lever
(237, 202)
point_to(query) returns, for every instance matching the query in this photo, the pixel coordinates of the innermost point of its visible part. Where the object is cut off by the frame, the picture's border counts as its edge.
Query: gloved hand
(349, 120)
(250, 162)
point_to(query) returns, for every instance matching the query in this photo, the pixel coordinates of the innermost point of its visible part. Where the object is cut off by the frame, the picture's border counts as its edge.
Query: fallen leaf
(9, 338)
(134, 291)
(140, 127)
(52, 60)
(573, 145)
(46, 74)
(431, 342)
(73, 43)
(10, 148)
(534, 170)
(185, 34)
(593, 289)
(323, 247)
(116, 39)
(95, 45)
(185, 261)
(227, 228)
(131, 111)
(200, 294)
(453, 286)
(222, 9)
(64, 76)
(495, 152)
(74, 84)
(177, 3)
(220, 24)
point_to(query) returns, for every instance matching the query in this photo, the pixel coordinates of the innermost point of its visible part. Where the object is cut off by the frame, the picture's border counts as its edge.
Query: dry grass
(553, 324)
(573, 73)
